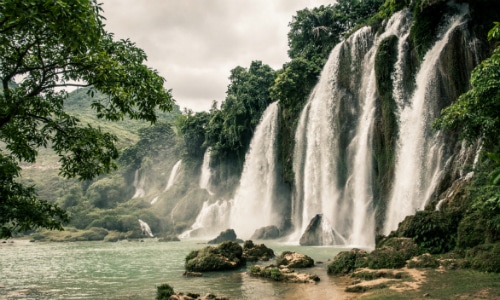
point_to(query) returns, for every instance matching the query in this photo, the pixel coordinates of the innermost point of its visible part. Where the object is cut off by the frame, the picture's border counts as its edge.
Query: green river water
(132, 270)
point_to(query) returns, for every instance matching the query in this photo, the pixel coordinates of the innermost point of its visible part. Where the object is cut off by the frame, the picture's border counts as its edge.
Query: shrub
(164, 291)
(347, 261)
(485, 257)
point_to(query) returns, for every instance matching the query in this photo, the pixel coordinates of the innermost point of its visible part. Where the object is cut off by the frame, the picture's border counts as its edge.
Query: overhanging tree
(45, 46)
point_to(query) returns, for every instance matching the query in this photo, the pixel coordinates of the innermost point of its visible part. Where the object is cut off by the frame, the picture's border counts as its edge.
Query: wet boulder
(226, 256)
(224, 236)
(266, 233)
(294, 260)
(252, 252)
(319, 232)
(282, 274)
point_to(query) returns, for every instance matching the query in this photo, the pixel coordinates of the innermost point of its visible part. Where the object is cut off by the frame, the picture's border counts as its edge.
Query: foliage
(21, 209)
(192, 127)
(226, 256)
(475, 113)
(267, 272)
(347, 261)
(433, 231)
(153, 141)
(164, 291)
(48, 45)
(231, 127)
(314, 32)
(485, 257)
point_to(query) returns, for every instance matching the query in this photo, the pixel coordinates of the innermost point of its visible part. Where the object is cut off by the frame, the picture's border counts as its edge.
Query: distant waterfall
(253, 202)
(206, 172)
(139, 182)
(146, 230)
(212, 219)
(333, 161)
(173, 175)
(419, 154)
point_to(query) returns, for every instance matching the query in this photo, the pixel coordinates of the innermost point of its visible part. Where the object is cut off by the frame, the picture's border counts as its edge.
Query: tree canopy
(46, 46)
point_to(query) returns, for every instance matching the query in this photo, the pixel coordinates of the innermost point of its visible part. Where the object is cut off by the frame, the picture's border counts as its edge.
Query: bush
(485, 257)
(164, 291)
(347, 261)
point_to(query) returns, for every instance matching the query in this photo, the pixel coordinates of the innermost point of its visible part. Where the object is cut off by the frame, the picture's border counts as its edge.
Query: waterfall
(138, 184)
(212, 219)
(206, 172)
(333, 161)
(146, 230)
(253, 201)
(173, 175)
(419, 153)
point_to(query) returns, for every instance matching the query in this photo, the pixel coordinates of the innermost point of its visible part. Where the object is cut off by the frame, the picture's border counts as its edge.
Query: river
(132, 270)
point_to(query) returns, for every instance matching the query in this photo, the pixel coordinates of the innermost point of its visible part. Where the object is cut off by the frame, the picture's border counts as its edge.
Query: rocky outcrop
(227, 256)
(266, 233)
(319, 233)
(294, 260)
(252, 252)
(282, 274)
(224, 236)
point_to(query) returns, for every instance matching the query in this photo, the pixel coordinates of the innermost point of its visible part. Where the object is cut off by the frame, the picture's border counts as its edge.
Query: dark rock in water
(228, 235)
(294, 260)
(192, 274)
(169, 238)
(252, 252)
(227, 256)
(266, 233)
(319, 233)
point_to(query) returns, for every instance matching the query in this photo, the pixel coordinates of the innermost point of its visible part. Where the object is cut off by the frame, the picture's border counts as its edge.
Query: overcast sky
(195, 43)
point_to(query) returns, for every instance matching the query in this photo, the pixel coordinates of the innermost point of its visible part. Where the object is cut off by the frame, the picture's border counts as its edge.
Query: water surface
(132, 270)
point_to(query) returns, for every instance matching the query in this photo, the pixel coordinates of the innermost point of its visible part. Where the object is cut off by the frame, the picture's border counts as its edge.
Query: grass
(452, 284)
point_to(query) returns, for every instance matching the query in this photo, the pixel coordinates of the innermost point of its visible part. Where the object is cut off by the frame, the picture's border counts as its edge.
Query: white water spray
(146, 230)
(419, 153)
(173, 175)
(253, 202)
(139, 182)
(206, 172)
(212, 219)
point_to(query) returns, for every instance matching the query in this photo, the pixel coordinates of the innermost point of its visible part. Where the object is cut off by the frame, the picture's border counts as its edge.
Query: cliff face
(385, 158)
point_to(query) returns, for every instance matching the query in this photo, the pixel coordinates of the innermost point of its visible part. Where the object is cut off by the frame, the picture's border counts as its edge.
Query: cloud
(195, 43)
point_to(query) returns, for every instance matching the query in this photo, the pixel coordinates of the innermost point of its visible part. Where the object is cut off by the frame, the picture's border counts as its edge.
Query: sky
(194, 44)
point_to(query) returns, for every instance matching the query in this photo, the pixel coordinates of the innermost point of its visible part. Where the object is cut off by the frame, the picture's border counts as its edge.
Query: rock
(224, 236)
(252, 252)
(316, 235)
(266, 233)
(294, 260)
(227, 256)
(282, 274)
(192, 274)
(347, 261)
(169, 238)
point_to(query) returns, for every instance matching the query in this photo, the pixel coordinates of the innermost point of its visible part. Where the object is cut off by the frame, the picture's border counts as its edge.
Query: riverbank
(425, 283)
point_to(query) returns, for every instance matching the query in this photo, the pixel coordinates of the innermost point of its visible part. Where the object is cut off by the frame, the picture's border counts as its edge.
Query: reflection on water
(132, 270)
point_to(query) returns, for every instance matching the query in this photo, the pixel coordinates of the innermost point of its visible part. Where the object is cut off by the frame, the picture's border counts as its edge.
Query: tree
(314, 32)
(46, 46)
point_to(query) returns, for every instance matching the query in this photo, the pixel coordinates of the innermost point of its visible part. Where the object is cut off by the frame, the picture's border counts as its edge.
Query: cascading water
(212, 219)
(146, 230)
(253, 202)
(173, 175)
(139, 182)
(419, 153)
(206, 172)
(331, 180)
